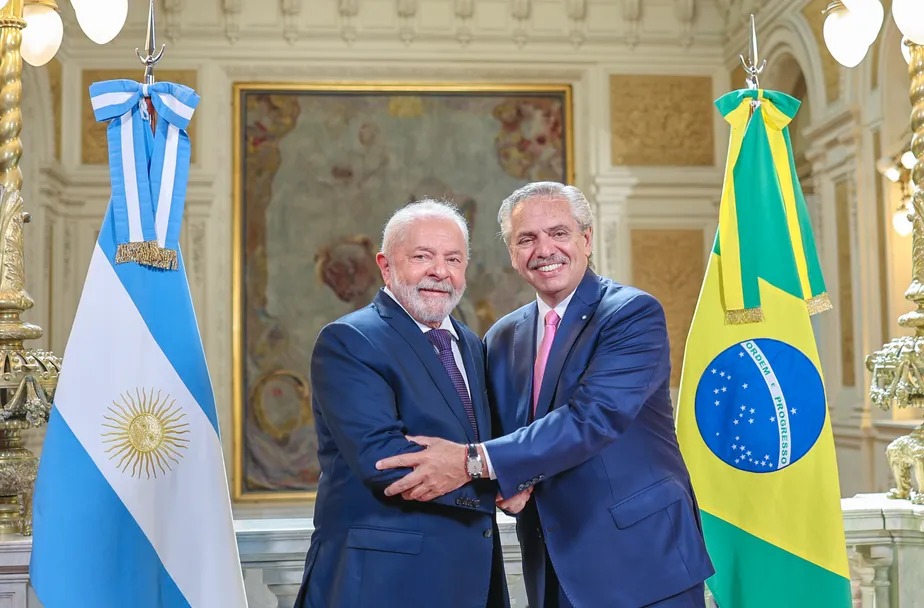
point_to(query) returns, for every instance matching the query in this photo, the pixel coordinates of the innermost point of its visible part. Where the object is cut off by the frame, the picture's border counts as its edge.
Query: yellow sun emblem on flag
(146, 433)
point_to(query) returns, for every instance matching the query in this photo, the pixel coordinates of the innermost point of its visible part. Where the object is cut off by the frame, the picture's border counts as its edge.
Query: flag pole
(753, 66)
(151, 55)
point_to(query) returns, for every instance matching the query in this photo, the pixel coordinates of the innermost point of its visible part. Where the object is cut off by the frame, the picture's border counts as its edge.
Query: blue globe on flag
(760, 405)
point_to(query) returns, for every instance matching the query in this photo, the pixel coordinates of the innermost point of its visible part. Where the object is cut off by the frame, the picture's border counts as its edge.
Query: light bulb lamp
(898, 368)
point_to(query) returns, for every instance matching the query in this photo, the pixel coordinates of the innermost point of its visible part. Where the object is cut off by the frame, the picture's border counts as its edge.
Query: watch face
(474, 467)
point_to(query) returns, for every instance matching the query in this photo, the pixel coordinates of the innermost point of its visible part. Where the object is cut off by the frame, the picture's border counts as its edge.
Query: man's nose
(439, 269)
(545, 246)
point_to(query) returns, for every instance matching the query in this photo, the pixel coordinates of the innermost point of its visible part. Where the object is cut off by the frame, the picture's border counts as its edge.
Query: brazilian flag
(752, 417)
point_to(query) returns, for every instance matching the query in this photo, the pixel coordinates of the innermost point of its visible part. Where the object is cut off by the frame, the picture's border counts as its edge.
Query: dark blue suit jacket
(611, 495)
(376, 378)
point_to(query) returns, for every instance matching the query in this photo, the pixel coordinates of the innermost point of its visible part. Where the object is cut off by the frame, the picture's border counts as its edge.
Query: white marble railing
(885, 539)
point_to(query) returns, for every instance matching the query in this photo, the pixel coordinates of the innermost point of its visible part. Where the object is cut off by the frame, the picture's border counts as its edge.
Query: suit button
(521, 487)
(458, 501)
(488, 533)
(476, 502)
(541, 477)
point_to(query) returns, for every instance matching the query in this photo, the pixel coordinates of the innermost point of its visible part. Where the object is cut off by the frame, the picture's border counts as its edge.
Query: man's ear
(384, 267)
(588, 241)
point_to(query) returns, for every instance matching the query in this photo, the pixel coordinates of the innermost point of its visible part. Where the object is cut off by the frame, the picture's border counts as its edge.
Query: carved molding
(67, 250)
(649, 127)
(669, 264)
(232, 16)
(686, 12)
(632, 16)
(845, 282)
(464, 10)
(197, 252)
(54, 82)
(173, 11)
(407, 12)
(348, 9)
(94, 148)
(520, 10)
(577, 13)
(291, 9)
(830, 66)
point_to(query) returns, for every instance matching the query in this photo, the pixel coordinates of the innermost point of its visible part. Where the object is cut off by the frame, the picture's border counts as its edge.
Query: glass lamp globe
(909, 17)
(843, 34)
(101, 20)
(901, 223)
(41, 38)
(870, 14)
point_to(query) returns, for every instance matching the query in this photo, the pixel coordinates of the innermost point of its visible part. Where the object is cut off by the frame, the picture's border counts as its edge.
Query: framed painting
(318, 169)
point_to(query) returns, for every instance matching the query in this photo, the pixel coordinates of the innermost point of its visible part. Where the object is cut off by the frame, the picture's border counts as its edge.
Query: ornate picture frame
(318, 168)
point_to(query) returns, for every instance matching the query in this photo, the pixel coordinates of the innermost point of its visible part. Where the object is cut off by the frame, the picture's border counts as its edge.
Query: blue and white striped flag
(131, 503)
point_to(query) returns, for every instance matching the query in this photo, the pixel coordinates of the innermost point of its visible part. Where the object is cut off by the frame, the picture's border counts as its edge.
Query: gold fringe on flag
(165, 259)
(743, 316)
(819, 303)
(142, 252)
(146, 253)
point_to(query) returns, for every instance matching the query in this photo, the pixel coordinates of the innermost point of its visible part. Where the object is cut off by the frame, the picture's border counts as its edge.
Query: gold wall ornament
(648, 127)
(898, 368)
(270, 395)
(146, 433)
(668, 264)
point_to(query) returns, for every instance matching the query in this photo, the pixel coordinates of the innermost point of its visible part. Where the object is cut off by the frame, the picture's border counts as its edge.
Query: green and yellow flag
(752, 417)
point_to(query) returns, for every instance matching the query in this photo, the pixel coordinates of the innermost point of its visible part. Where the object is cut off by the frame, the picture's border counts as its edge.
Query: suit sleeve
(630, 362)
(358, 406)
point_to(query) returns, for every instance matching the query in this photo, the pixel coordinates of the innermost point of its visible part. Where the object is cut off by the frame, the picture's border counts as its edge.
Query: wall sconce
(897, 169)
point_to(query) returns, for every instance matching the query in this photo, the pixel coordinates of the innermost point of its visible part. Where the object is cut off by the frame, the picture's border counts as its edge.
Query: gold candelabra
(27, 376)
(898, 368)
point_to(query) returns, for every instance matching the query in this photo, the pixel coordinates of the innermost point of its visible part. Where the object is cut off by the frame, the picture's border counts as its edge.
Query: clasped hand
(438, 470)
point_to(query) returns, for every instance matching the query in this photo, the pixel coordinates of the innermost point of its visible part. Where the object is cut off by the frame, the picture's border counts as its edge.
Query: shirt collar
(560, 309)
(446, 324)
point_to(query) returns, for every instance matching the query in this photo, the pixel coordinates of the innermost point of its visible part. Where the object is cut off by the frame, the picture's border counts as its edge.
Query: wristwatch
(473, 462)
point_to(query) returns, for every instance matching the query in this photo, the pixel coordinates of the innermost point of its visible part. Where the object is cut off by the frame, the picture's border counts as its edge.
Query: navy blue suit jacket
(612, 499)
(376, 378)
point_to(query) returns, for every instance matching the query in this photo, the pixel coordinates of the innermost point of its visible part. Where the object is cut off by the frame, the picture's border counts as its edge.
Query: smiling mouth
(550, 267)
(433, 292)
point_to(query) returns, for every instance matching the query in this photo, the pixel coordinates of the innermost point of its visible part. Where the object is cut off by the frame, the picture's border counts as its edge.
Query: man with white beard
(381, 376)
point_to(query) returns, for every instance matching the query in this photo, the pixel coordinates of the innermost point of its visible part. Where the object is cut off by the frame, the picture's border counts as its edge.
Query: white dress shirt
(540, 332)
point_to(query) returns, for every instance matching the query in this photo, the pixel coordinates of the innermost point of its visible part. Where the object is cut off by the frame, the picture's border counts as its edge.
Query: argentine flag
(131, 502)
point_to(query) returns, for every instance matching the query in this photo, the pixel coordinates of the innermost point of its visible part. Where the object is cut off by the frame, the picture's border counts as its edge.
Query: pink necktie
(551, 326)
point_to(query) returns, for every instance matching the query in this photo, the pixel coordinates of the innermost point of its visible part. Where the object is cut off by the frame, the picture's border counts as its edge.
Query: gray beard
(422, 311)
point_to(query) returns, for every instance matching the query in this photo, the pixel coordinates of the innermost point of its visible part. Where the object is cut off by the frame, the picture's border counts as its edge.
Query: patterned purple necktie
(442, 340)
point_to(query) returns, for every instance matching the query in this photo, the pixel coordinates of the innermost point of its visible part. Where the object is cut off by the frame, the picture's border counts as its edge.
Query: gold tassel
(743, 316)
(164, 259)
(136, 251)
(819, 303)
(147, 253)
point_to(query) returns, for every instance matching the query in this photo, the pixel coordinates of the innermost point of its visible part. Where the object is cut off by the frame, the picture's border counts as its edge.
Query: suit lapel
(402, 323)
(524, 358)
(577, 316)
